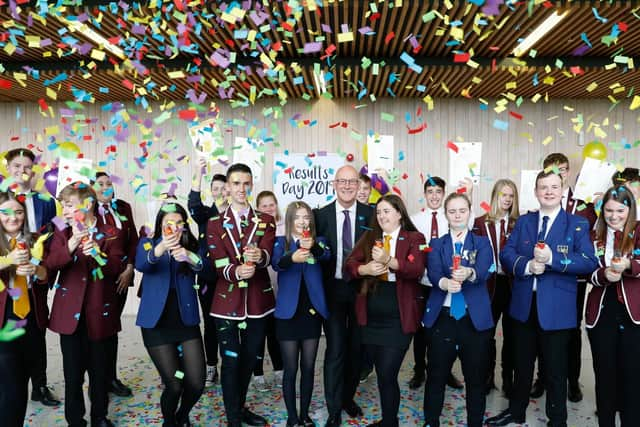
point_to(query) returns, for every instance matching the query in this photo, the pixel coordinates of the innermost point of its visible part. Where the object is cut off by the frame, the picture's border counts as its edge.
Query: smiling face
(549, 192)
(345, 185)
(388, 217)
(76, 210)
(615, 214)
(301, 221)
(505, 199)
(268, 205)
(21, 169)
(434, 196)
(12, 216)
(364, 191)
(457, 212)
(173, 223)
(104, 189)
(239, 185)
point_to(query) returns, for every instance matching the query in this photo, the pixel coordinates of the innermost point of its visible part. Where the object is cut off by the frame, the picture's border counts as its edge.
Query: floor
(136, 370)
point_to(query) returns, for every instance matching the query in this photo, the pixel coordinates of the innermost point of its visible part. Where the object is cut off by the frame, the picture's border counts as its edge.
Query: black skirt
(383, 318)
(170, 329)
(305, 324)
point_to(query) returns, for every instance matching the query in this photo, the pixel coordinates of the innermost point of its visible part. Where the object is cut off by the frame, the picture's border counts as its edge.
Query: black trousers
(387, 362)
(79, 355)
(615, 345)
(575, 342)
(205, 296)
(272, 344)
(500, 309)
(447, 339)
(240, 342)
(16, 359)
(112, 374)
(420, 341)
(342, 354)
(555, 346)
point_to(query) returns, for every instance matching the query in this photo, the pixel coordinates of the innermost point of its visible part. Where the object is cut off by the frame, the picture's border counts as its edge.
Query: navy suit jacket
(572, 255)
(45, 210)
(157, 281)
(476, 295)
(290, 278)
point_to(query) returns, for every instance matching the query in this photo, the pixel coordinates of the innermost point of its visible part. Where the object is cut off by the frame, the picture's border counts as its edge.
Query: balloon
(69, 150)
(349, 157)
(3, 165)
(51, 181)
(595, 150)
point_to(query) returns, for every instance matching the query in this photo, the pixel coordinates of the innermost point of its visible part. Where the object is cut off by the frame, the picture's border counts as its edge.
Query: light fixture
(321, 85)
(93, 36)
(540, 31)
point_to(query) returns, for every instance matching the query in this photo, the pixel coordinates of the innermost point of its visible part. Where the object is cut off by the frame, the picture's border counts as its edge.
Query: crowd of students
(372, 277)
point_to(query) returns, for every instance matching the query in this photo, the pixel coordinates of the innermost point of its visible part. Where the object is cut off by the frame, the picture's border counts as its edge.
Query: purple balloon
(51, 181)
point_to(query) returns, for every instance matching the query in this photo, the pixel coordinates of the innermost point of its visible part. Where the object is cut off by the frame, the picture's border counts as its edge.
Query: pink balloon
(51, 181)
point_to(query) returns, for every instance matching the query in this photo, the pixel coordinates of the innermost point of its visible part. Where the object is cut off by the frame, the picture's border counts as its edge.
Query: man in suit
(207, 278)
(117, 213)
(546, 253)
(341, 222)
(41, 209)
(240, 243)
(432, 223)
(559, 163)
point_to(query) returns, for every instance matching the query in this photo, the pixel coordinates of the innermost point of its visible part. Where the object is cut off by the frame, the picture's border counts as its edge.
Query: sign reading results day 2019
(298, 177)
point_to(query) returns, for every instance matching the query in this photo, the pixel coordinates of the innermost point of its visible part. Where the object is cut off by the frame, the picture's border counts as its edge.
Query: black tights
(190, 362)
(292, 351)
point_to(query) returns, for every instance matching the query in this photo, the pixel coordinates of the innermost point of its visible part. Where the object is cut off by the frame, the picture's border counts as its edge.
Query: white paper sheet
(207, 140)
(251, 153)
(465, 163)
(380, 152)
(72, 170)
(595, 177)
(526, 192)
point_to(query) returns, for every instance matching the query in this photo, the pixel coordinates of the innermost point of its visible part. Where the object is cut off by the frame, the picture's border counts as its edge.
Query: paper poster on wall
(251, 153)
(207, 140)
(526, 194)
(595, 177)
(380, 152)
(72, 170)
(298, 177)
(464, 162)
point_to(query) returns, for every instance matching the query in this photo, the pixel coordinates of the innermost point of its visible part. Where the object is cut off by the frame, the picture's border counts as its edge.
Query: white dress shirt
(339, 224)
(552, 217)
(391, 277)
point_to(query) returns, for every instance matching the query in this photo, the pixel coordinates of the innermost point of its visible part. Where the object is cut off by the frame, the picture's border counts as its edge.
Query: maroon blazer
(482, 226)
(581, 208)
(78, 292)
(411, 262)
(630, 285)
(238, 299)
(38, 297)
(129, 226)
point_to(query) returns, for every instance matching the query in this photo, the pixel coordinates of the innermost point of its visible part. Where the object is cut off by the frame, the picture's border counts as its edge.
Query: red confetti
(461, 57)
(411, 258)
(389, 37)
(452, 146)
(622, 26)
(485, 206)
(5, 84)
(515, 115)
(43, 104)
(188, 114)
(416, 130)
(397, 190)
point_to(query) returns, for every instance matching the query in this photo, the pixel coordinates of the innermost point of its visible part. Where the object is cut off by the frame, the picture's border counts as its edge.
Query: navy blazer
(157, 281)
(45, 209)
(572, 255)
(201, 215)
(476, 295)
(290, 278)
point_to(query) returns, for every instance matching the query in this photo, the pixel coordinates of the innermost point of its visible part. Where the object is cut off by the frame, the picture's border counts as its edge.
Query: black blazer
(325, 219)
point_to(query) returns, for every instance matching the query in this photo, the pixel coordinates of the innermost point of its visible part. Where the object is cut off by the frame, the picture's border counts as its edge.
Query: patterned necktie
(543, 230)
(386, 245)
(457, 308)
(108, 217)
(617, 243)
(21, 305)
(434, 225)
(243, 225)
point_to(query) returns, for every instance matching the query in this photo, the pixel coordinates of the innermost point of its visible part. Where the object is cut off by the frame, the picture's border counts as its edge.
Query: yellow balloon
(3, 164)
(69, 150)
(595, 150)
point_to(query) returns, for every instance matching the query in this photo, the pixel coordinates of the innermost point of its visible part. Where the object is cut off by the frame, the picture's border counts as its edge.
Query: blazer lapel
(252, 225)
(556, 234)
(493, 239)
(360, 223)
(447, 249)
(233, 233)
(401, 245)
(332, 229)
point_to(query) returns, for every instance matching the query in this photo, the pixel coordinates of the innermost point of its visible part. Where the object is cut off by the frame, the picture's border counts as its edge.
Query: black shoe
(333, 421)
(504, 418)
(353, 410)
(291, 423)
(306, 421)
(253, 419)
(364, 375)
(574, 393)
(44, 396)
(537, 390)
(453, 382)
(417, 380)
(102, 422)
(116, 387)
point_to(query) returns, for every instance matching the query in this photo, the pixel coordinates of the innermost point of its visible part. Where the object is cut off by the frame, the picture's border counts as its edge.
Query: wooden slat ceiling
(590, 54)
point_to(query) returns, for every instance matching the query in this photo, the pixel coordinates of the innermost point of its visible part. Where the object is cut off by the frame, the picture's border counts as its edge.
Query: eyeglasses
(346, 181)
